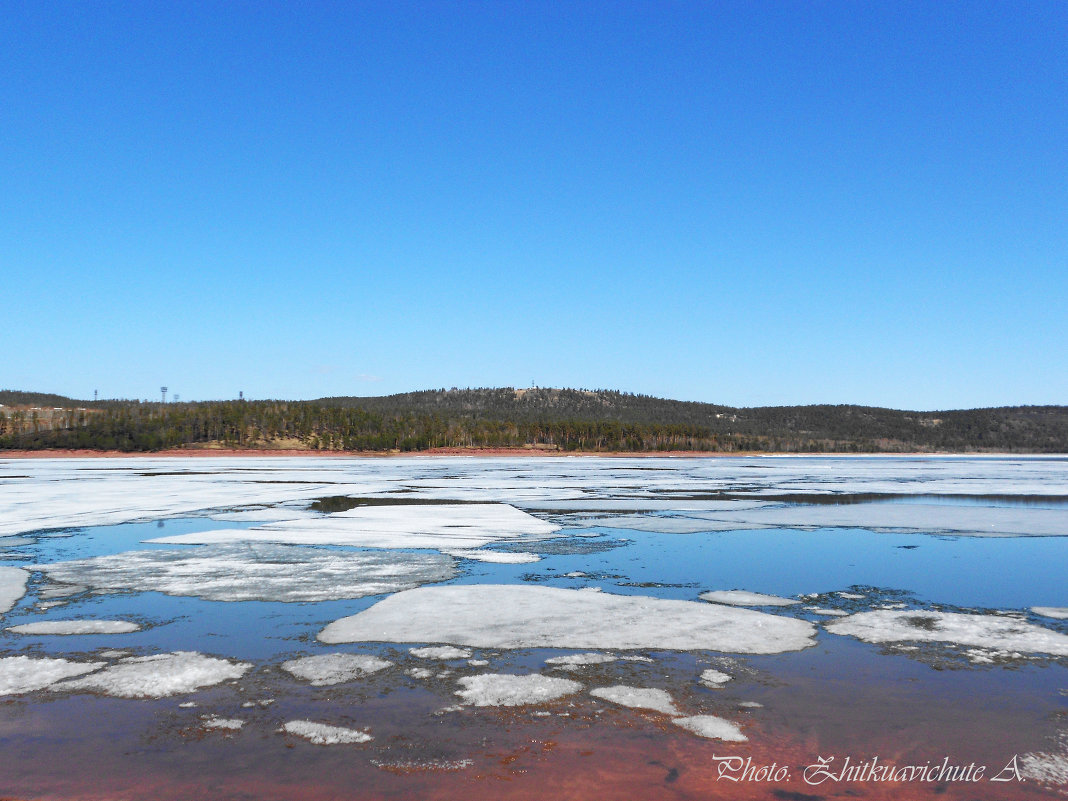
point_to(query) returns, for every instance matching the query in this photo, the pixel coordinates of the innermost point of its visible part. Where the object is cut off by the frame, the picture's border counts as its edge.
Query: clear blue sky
(748, 203)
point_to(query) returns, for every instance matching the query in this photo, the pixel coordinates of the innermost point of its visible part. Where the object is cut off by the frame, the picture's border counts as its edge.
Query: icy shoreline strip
(520, 616)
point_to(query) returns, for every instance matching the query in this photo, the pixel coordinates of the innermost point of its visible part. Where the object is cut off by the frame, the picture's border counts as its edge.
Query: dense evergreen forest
(556, 419)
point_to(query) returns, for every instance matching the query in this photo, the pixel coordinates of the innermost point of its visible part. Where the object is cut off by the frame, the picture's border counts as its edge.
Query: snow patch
(227, 724)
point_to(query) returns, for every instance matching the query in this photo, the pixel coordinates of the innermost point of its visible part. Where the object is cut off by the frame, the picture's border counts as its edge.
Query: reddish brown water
(852, 702)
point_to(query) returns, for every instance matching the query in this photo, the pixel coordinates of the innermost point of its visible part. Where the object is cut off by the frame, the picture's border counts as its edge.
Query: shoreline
(199, 453)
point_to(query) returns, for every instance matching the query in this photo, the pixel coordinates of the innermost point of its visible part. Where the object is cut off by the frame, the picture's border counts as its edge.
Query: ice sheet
(326, 669)
(712, 727)
(986, 631)
(23, 674)
(1057, 612)
(257, 572)
(507, 616)
(76, 627)
(744, 598)
(322, 734)
(158, 676)
(499, 689)
(637, 698)
(12, 586)
(453, 526)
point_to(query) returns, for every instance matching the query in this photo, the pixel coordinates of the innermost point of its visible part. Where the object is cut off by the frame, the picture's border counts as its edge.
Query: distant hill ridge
(564, 419)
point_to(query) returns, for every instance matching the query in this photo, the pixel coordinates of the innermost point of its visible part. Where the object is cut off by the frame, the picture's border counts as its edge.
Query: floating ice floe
(76, 627)
(226, 724)
(818, 610)
(712, 727)
(519, 616)
(419, 673)
(410, 766)
(580, 660)
(501, 689)
(440, 652)
(744, 598)
(851, 596)
(637, 698)
(322, 734)
(326, 669)
(1045, 768)
(985, 631)
(445, 527)
(257, 572)
(24, 674)
(498, 557)
(1056, 612)
(714, 678)
(12, 586)
(158, 676)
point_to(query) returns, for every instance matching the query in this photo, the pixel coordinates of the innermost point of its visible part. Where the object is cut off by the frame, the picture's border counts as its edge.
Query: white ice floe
(440, 652)
(637, 698)
(500, 689)
(23, 674)
(327, 669)
(714, 678)
(579, 660)
(12, 586)
(322, 734)
(257, 572)
(850, 596)
(159, 675)
(226, 724)
(751, 705)
(478, 662)
(60, 590)
(818, 610)
(445, 527)
(745, 598)
(76, 627)
(1057, 612)
(497, 557)
(1045, 768)
(985, 631)
(575, 574)
(519, 616)
(272, 514)
(419, 673)
(712, 727)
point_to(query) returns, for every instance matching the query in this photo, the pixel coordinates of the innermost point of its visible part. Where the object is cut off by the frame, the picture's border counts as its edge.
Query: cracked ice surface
(256, 572)
(23, 674)
(158, 676)
(81, 492)
(12, 586)
(501, 689)
(76, 627)
(637, 698)
(987, 631)
(515, 616)
(328, 669)
(454, 526)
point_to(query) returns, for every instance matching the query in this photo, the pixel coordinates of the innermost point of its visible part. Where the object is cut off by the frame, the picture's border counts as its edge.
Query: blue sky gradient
(748, 203)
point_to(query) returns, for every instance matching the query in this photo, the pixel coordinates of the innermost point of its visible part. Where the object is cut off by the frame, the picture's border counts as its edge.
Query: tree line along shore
(563, 420)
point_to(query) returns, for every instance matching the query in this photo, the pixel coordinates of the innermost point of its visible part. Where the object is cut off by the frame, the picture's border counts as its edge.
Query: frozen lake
(512, 627)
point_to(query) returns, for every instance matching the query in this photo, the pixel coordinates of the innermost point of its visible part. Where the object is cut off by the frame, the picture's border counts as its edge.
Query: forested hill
(553, 419)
